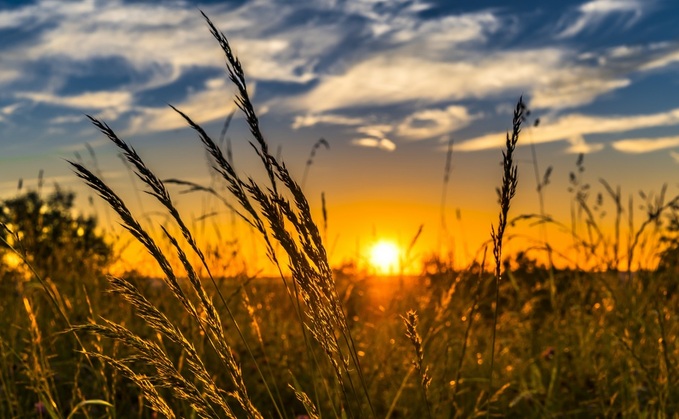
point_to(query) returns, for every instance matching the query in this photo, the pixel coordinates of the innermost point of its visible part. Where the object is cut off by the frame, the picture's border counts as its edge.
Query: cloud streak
(645, 145)
(593, 13)
(571, 127)
(309, 120)
(375, 136)
(430, 123)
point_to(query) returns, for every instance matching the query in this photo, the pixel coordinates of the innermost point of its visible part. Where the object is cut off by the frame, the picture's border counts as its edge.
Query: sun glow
(384, 257)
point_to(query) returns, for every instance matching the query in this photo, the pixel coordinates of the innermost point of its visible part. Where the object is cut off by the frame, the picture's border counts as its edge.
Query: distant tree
(669, 256)
(58, 244)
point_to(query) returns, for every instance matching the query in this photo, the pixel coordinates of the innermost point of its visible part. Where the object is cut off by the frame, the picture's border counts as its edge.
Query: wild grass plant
(520, 339)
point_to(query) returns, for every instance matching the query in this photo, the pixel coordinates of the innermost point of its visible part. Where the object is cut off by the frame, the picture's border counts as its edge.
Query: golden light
(384, 257)
(12, 260)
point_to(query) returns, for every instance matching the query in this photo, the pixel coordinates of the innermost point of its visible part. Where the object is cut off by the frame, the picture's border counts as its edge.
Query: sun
(384, 257)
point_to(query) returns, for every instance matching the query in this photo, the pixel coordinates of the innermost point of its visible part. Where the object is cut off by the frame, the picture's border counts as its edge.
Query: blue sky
(387, 83)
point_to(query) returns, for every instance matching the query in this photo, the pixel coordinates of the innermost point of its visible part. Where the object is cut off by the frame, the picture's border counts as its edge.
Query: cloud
(377, 137)
(430, 123)
(574, 125)
(202, 107)
(663, 59)
(381, 143)
(579, 146)
(402, 59)
(675, 156)
(645, 145)
(8, 110)
(592, 14)
(67, 119)
(378, 131)
(551, 74)
(567, 90)
(165, 38)
(157, 44)
(117, 100)
(309, 120)
(399, 22)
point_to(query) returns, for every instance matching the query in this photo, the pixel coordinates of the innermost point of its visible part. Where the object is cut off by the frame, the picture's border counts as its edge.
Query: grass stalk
(505, 194)
(410, 320)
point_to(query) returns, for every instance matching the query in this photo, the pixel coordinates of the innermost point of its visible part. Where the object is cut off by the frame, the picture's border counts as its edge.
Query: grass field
(507, 336)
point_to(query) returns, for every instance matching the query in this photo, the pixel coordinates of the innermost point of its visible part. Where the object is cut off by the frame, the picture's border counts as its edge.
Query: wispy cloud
(578, 145)
(309, 120)
(117, 100)
(577, 125)
(430, 123)
(592, 14)
(164, 37)
(399, 22)
(553, 76)
(8, 110)
(645, 145)
(376, 137)
(201, 106)
(419, 64)
(381, 143)
(67, 119)
(158, 43)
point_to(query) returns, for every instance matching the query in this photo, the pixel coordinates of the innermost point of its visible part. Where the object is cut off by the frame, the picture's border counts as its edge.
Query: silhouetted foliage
(47, 234)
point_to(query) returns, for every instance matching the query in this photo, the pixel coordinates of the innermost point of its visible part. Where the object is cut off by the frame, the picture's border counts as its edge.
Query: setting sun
(384, 257)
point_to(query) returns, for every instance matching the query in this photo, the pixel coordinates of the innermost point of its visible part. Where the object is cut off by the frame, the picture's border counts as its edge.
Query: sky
(388, 84)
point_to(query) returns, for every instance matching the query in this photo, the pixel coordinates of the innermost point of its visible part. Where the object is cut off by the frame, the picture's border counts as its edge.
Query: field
(507, 336)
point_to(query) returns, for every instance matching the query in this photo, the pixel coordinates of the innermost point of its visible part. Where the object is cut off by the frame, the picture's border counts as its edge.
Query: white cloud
(310, 120)
(579, 146)
(425, 61)
(9, 109)
(201, 107)
(377, 137)
(378, 130)
(107, 105)
(567, 90)
(645, 145)
(381, 143)
(430, 123)
(451, 31)
(169, 38)
(159, 41)
(118, 100)
(67, 119)
(400, 22)
(574, 125)
(668, 57)
(551, 74)
(593, 13)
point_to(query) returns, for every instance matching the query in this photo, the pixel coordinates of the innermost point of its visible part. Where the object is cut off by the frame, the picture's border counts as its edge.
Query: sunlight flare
(384, 257)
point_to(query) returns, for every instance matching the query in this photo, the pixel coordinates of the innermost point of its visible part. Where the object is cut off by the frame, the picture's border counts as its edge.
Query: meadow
(507, 336)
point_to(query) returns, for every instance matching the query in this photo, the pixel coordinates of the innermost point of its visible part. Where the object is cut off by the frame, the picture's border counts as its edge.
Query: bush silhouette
(58, 244)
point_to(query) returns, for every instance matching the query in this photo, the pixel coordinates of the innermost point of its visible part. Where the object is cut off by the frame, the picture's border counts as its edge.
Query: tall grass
(518, 340)
(506, 192)
(281, 220)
